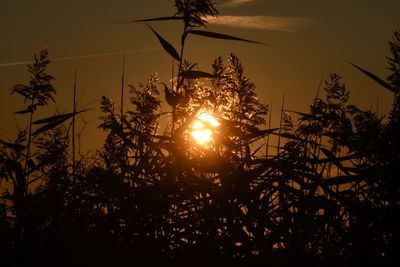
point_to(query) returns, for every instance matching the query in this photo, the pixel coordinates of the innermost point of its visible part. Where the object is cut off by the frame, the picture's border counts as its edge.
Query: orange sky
(306, 39)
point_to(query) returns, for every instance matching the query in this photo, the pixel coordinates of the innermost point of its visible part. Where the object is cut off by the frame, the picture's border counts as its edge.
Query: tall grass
(329, 196)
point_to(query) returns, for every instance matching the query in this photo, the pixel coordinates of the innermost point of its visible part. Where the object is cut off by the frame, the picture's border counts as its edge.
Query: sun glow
(202, 128)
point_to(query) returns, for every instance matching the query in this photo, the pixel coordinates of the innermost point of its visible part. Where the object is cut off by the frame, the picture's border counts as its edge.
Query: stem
(180, 67)
(28, 149)
(311, 121)
(281, 195)
(183, 38)
(173, 73)
(269, 128)
(319, 88)
(122, 85)
(125, 153)
(280, 124)
(377, 106)
(73, 129)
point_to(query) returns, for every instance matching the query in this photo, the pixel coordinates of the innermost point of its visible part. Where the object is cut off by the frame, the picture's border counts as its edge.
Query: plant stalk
(73, 129)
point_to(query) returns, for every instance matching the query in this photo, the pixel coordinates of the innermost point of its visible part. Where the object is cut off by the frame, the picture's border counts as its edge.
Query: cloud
(271, 23)
(236, 2)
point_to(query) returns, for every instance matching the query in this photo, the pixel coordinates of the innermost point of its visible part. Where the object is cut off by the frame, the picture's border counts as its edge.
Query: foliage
(40, 90)
(329, 196)
(194, 11)
(393, 62)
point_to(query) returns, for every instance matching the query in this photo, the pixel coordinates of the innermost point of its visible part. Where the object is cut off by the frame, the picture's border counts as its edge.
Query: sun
(202, 127)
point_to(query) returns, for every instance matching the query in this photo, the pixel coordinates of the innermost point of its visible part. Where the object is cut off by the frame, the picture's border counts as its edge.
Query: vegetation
(329, 196)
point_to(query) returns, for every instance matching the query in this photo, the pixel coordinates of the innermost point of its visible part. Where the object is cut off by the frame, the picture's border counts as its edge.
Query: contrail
(81, 57)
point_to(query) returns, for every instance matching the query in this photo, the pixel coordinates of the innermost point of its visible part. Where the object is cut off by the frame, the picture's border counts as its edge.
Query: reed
(162, 198)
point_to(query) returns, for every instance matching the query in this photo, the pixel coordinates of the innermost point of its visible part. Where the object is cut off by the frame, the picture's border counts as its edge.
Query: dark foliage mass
(328, 196)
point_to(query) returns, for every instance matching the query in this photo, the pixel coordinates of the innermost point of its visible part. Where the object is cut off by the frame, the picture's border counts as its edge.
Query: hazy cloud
(236, 2)
(271, 23)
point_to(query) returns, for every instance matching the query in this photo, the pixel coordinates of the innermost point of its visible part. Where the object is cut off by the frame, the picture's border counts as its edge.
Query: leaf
(373, 77)
(172, 98)
(31, 164)
(335, 160)
(339, 180)
(58, 117)
(340, 159)
(152, 19)
(167, 46)
(304, 115)
(54, 121)
(255, 151)
(196, 74)
(222, 36)
(49, 126)
(294, 137)
(22, 111)
(12, 145)
(254, 133)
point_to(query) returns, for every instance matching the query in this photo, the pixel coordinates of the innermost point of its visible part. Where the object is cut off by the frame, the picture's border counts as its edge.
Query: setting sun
(202, 128)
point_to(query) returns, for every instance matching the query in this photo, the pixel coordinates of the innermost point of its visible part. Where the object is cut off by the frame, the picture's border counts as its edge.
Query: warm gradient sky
(306, 39)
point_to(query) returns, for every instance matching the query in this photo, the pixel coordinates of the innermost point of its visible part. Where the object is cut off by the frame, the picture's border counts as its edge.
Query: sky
(306, 40)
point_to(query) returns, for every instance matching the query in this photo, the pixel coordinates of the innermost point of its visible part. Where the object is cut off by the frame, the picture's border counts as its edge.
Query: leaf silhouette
(373, 77)
(58, 117)
(152, 19)
(22, 111)
(172, 98)
(304, 115)
(49, 126)
(334, 159)
(254, 133)
(12, 145)
(340, 180)
(195, 74)
(53, 121)
(221, 36)
(166, 45)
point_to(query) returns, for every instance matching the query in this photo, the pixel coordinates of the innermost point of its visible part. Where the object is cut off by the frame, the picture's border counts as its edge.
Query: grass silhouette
(329, 196)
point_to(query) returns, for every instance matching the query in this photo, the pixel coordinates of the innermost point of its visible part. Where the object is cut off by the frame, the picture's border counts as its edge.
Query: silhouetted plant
(329, 196)
(37, 93)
